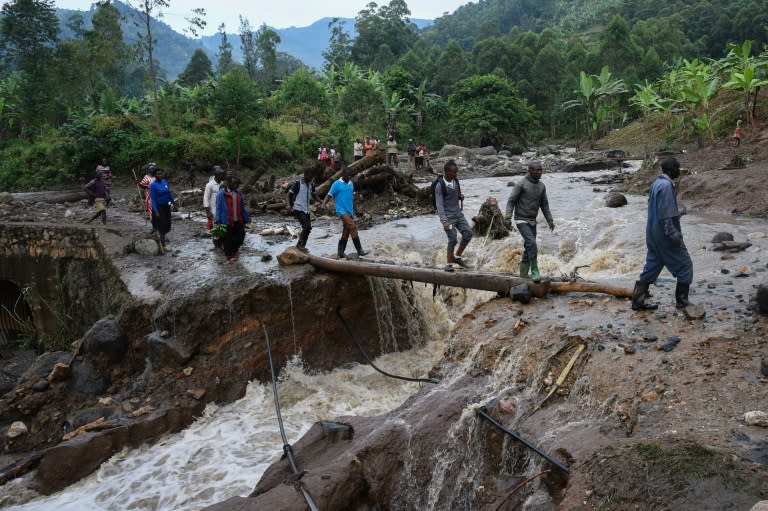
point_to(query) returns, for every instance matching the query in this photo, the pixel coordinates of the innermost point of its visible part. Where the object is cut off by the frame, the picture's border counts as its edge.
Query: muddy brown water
(225, 452)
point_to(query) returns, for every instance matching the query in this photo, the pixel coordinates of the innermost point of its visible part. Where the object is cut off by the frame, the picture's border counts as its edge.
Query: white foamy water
(224, 453)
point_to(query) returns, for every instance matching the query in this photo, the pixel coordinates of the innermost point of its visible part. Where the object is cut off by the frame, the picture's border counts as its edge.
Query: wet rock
(760, 506)
(615, 200)
(762, 298)
(756, 418)
(335, 431)
(89, 415)
(16, 429)
(484, 151)
(589, 164)
(87, 379)
(764, 366)
(651, 395)
(60, 372)
(520, 293)
(146, 248)
(44, 364)
(106, 338)
(41, 385)
(629, 350)
(453, 151)
(669, 344)
(166, 352)
(197, 394)
(721, 237)
(693, 312)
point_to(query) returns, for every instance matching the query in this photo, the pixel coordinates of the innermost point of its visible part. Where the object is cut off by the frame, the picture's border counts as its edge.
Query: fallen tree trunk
(377, 156)
(53, 197)
(471, 279)
(579, 286)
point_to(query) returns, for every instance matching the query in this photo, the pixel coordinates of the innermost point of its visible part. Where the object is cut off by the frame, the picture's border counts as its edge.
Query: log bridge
(471, 279)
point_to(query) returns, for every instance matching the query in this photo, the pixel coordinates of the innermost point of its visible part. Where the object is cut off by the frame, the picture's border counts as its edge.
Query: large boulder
(105, 337)
(485, 151)
(589, 164)
(42, 367)
(88, 379)
(453, 152)
(615, 200)
(166, 352)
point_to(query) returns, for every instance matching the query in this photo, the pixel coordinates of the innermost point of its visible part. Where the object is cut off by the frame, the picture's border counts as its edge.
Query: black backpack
(432, 187)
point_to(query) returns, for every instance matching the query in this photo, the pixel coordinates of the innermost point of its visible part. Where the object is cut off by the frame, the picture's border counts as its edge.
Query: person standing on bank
(449, 202)
(147, 180)
(664, 241)
(343, 192)
(209, 199)
(299, 196)
(231, 211)
(162, 201)
(527, 197)
(392, 157)
(98, 191)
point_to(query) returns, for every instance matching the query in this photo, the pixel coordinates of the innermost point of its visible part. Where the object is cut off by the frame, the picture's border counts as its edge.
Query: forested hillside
(494, 72)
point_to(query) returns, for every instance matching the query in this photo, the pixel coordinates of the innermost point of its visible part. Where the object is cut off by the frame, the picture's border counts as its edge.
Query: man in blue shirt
(343, 190)
(664, 240)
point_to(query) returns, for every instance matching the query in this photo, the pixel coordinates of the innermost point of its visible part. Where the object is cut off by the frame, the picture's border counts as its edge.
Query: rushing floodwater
(224, 453)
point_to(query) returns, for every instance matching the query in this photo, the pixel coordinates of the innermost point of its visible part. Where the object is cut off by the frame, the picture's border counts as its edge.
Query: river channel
(226, 451)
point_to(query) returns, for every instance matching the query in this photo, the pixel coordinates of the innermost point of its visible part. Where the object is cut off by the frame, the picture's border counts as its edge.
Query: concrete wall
(71, 284)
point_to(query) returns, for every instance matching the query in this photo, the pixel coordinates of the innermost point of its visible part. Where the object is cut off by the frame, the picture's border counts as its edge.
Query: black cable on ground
(365, 354)
(286, 446)
(482, 413)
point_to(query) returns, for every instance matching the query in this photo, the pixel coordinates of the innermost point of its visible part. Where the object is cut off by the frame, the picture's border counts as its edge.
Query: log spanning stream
(228, 449)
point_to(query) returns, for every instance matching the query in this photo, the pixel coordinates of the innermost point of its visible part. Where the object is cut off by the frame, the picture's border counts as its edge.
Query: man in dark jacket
(664, 240)
(449, 202)
(528, 196)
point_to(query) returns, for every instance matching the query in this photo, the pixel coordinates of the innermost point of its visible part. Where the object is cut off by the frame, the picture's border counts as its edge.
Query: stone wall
(70, 283)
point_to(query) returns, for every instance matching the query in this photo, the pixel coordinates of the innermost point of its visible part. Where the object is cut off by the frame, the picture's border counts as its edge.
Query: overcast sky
(277, 14)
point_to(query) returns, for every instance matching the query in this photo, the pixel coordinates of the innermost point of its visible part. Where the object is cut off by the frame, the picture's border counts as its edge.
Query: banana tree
(744, 75)
(595, 96)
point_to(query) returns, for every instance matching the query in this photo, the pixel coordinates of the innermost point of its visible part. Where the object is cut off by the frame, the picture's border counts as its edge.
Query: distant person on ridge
(357, 149)
(392, 158)
(738, 133)
(527, 197)
(300, 194)
(343, 192)
(664, 241)
(449, 202)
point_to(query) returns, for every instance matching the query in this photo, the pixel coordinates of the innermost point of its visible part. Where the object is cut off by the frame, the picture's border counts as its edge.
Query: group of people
(664, 237)
(302, 191)
(227, 215)
(329, 157)
(418, 155)
(223, 204)
(364, 147)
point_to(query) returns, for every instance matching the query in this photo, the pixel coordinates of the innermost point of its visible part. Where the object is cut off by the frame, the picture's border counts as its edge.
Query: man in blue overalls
(664, 240)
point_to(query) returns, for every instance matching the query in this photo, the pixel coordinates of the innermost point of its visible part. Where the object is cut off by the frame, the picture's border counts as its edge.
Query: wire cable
(286, 446)
(365, 354)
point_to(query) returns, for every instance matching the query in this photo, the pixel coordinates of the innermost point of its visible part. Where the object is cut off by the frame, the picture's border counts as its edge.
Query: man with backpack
(528, 196)
(449, 202)
(300, 193)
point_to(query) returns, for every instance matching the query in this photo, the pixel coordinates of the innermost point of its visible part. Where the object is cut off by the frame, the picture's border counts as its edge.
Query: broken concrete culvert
(151, 368)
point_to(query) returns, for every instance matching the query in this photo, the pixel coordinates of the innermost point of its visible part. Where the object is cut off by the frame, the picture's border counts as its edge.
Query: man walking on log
(664, 241)
(343, 191)
(300, 194)
(449, 202)
(528, 196)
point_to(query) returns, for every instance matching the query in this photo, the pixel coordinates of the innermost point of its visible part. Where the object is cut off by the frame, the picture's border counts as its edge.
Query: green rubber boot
(535, 276)
(524, 268)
